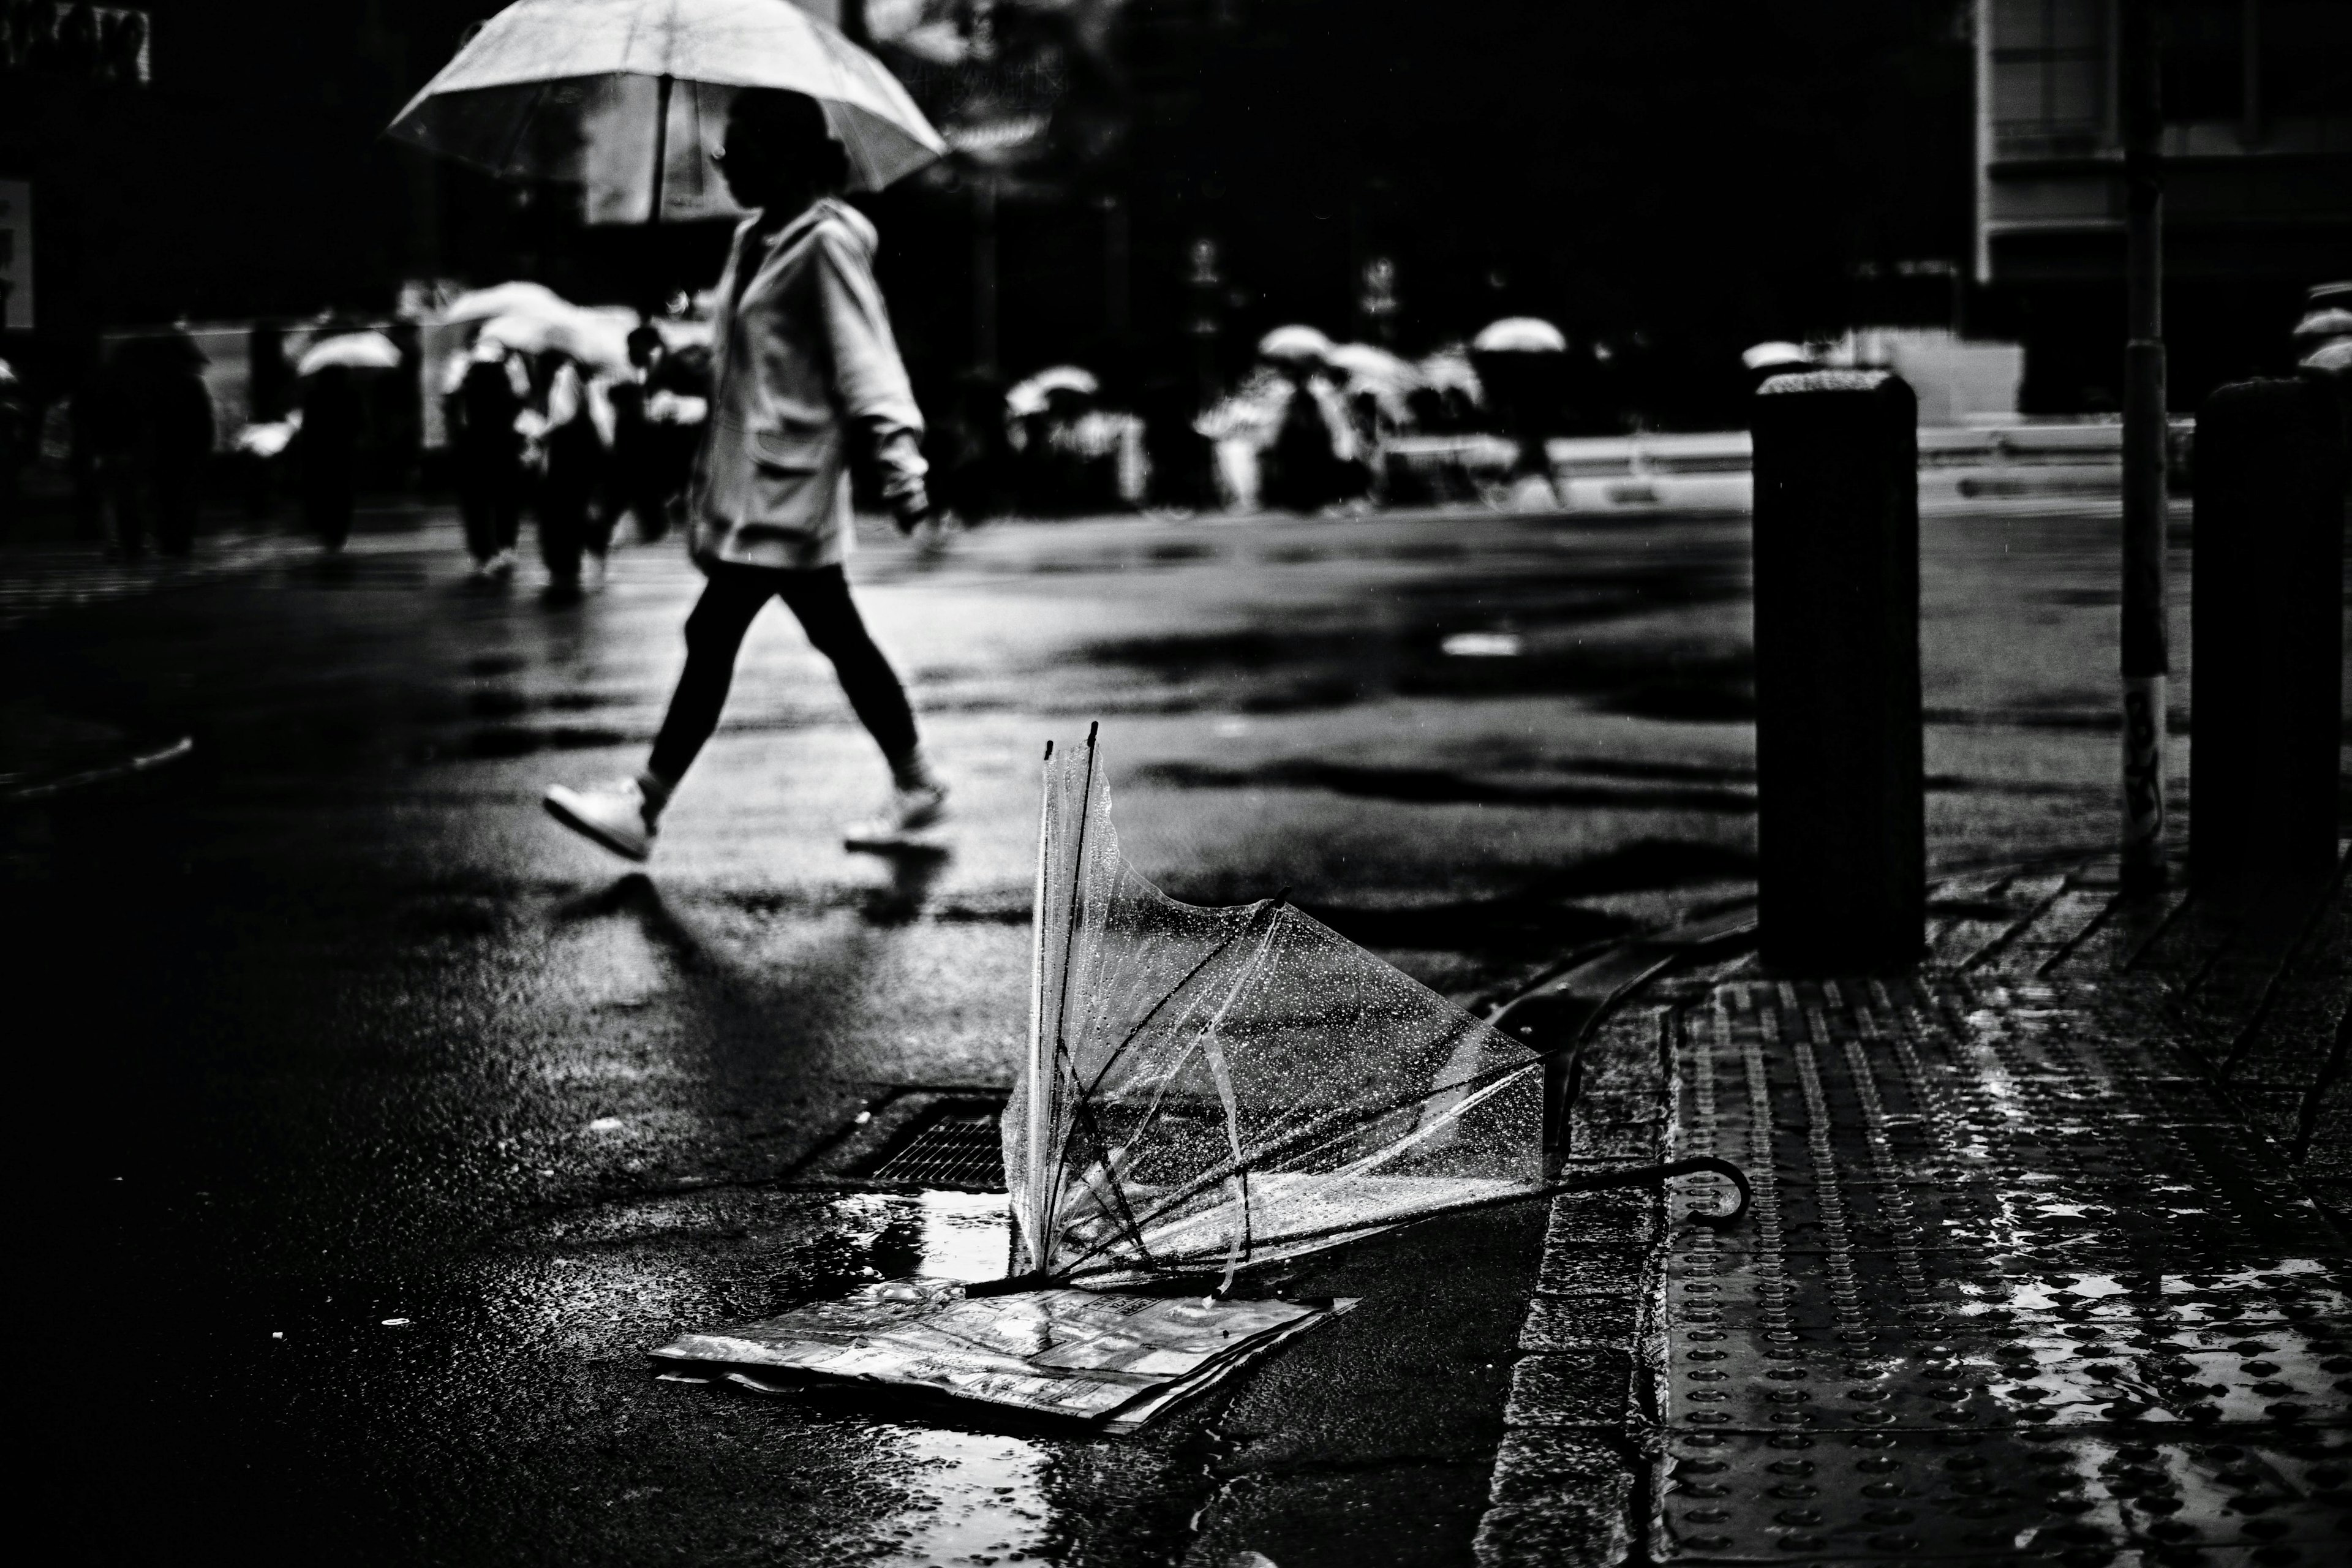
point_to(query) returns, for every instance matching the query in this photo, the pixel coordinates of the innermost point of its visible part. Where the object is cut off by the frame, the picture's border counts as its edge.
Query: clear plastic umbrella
(1211, 1088)
(623, 96)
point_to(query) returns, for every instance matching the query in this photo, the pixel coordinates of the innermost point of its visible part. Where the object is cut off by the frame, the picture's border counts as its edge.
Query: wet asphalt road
(371, 1129)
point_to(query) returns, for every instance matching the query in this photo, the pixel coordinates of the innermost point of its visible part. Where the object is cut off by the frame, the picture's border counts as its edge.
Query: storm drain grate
(957, 1146)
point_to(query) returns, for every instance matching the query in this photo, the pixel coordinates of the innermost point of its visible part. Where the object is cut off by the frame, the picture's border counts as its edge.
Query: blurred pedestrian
(976, 457)
(115, 412)
(571, 526)
(806, 369)
(639, 477)
(177, 440)
(1313, 460)
(328, 443)
(1522, 362)
(483, 406)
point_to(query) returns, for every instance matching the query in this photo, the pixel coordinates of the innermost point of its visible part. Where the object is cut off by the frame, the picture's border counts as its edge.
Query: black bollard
(2266, 635)
(1841, 827)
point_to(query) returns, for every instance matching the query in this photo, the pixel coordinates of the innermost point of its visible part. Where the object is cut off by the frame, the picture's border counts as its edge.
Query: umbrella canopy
(1774, 356)
(1520, 335)
(598, 340)
(1370, 368)
(2331, 357)
(623, 96)
(1450, 370)
(1374, 365)
(1209, 1087)
(1295, 345)
(1029, 396)
(360, 350)
(2318, 326)
(506, 300)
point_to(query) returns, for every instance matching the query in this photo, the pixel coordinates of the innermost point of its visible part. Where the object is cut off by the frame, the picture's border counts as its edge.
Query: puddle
(978, 1499)
(961, 1236)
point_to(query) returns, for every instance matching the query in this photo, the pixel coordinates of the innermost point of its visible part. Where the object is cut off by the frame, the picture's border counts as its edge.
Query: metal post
(2146, 653)
(2266, 619)
(1840, 799)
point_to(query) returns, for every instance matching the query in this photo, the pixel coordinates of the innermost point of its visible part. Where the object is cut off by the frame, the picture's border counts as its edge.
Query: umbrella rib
(1599, 1181)
(1070, 929)
(1153, 1115)
(1110, 1173)
(1266, 910)
(523, 123)
(1329, 1121)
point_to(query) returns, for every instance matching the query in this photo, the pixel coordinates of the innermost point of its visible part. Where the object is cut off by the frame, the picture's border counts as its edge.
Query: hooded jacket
(804, 371)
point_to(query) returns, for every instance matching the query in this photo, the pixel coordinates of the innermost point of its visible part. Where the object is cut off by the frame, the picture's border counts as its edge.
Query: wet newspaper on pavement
(1115, 1361)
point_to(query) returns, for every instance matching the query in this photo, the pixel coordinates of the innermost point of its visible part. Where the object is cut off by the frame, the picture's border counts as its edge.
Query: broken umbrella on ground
(1204, 1090)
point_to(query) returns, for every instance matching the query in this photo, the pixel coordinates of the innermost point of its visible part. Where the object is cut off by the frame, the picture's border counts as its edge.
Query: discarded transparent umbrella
(1204, 1089)
(1208, 1088)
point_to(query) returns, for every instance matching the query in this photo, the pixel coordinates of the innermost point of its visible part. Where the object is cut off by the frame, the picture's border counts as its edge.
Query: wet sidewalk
(2047, 1260)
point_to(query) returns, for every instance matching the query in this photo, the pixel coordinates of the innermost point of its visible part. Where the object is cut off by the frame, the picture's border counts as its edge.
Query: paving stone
(1557, 1323)
(1575, 1385)
(2020, 1277)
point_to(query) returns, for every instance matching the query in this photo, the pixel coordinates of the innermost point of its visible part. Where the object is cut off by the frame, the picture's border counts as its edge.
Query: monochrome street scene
(1181, 784)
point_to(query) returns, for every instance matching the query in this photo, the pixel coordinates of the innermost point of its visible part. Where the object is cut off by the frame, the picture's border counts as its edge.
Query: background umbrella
(360, 350)
(622, 96)
(599, 343)
(506, 300)
(1370, 368)
(1295, 345)
(1775, 355)
(1519, 335)
(1029, 396)
(1449, 370)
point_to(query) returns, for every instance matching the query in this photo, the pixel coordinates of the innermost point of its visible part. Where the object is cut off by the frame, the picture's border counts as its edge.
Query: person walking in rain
(575, 434)
(483, 406)
(641, 473)
(806, 368)
(329, 440)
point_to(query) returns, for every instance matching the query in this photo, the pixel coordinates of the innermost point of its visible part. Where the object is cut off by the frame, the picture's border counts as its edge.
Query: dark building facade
(1669, 182)
(2257, 150)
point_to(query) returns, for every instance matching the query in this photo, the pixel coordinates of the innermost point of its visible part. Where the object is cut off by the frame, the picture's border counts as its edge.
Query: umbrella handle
(662, 86)
(1659, 1175)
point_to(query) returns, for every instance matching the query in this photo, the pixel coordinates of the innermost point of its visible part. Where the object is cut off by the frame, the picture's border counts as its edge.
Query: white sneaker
(614, 815)
(907, 814)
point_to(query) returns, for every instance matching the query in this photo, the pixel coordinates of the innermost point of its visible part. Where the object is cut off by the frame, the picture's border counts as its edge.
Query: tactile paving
(2011, 1291)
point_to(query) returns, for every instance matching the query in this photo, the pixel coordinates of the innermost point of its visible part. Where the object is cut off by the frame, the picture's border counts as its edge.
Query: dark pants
(568, 519)
(175, 504)
(489, 496)
(714, 634)
(328, 495)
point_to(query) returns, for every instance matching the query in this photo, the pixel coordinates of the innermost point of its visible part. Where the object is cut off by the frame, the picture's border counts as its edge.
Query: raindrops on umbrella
(625, 98)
